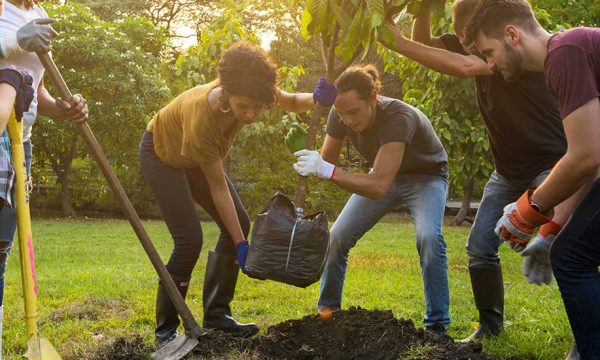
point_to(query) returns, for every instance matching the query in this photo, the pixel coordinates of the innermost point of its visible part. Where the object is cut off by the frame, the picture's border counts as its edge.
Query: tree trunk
(328, 51)
(61, 165)
(466, 202)
(313, 128)
(65, 195)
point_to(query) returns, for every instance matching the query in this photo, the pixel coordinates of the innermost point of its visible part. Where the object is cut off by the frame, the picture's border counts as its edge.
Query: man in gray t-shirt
(397, 121)
(409, 166)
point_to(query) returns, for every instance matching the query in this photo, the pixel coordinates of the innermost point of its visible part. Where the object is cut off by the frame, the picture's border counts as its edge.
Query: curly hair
(361, 78)
(246, 70)
(492, 16)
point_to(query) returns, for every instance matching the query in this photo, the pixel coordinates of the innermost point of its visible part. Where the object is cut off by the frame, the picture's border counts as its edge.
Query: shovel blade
(41, 349)
(176, 348)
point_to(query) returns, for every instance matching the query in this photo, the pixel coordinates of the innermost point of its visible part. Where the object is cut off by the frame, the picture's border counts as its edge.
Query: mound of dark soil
(350, 334)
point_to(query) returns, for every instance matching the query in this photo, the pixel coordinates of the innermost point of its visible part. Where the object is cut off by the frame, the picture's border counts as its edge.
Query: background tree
(163, 13)
(564, 14)
(114, 66)
(347, 30)
(114, 54)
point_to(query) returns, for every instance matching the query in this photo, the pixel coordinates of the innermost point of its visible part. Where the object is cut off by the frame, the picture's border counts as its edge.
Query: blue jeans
(575, 257)
(425, 197)
(483, 243)
(8, 225)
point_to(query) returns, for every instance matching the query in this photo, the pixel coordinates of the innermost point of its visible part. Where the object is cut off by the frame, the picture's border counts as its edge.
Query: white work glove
(34, 37)
(310, 163)
(536, 265)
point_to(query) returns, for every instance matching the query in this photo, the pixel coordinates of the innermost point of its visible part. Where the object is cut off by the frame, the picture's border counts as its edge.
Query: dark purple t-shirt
(572, 67)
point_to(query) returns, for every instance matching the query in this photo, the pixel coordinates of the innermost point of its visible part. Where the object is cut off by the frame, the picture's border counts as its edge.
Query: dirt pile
(350, 334)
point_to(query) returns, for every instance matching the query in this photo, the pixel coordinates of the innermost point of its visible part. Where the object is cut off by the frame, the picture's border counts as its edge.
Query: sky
(189, 37)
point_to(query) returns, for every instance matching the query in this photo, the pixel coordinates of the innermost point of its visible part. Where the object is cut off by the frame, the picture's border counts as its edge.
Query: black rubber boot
(219, 286)
(488, 291)
(167, 318)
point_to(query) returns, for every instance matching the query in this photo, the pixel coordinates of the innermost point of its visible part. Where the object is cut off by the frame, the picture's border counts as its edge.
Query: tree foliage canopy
(120, 56)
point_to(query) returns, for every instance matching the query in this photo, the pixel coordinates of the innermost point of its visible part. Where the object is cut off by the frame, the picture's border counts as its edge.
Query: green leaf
(341, 16)
(305, 22)
(376, 11)
(387, 36)
(315, 8)
(352, 39)
(318, 11)
(447, 135)
(327, 23)
(367, 33)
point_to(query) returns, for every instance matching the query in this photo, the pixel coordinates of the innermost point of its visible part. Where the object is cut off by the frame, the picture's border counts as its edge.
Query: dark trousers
(575, 257)
(176, 190)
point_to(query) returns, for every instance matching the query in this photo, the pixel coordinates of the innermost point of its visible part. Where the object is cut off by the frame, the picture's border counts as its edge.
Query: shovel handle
(190, 324)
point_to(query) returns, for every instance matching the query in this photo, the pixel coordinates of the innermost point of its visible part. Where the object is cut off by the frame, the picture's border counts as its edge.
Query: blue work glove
(241, 252)
(34, 36)
(324, 92)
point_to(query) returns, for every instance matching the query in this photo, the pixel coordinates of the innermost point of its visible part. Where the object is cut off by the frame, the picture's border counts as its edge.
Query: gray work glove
(33, 37)
(536, 265)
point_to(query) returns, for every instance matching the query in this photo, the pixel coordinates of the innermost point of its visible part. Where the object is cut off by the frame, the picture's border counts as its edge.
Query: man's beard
(514, 62)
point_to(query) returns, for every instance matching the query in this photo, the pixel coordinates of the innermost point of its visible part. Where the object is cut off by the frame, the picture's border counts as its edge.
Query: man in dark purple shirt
(526, 135)
(508, 35)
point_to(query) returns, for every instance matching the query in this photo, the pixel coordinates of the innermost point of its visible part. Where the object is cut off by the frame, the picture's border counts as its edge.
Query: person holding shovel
(181, 155)
(24, 30)
(409, 166)
(16, 94)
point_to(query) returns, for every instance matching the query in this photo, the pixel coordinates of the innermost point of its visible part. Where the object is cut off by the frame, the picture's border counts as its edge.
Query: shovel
(180, 346)
(37, 348)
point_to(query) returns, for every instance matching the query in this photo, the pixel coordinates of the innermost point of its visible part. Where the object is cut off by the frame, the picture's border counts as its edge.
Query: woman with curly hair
(181, 155)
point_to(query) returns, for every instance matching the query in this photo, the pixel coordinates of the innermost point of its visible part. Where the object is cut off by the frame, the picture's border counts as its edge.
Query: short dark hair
(492, 16)
(246, 70)
(463, 9)
(361, 78)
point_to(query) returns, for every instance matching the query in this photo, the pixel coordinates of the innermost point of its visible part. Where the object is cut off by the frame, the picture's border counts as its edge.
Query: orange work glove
(519, 221)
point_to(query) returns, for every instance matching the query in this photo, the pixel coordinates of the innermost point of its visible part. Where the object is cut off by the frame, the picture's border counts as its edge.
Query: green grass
(94, 278)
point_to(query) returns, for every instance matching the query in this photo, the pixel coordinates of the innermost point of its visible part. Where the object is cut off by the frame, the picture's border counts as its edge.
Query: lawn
(96, 284)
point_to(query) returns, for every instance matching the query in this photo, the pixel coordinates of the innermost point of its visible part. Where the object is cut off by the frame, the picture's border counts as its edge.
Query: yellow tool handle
(28, 276)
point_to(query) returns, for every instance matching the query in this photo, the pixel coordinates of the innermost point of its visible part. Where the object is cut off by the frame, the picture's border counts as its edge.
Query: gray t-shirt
(397, 121)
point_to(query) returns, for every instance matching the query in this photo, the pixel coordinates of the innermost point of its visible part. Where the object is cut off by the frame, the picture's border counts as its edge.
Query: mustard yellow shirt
(186, 132)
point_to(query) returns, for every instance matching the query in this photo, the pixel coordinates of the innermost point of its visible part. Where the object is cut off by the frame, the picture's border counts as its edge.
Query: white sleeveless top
(12, 20)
